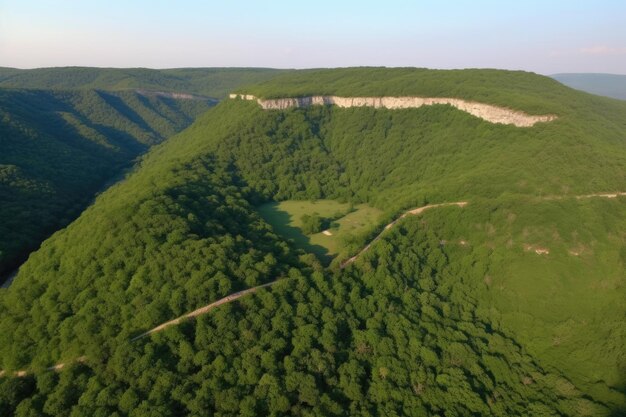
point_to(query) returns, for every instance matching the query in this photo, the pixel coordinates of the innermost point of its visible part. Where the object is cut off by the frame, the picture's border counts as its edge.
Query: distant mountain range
(212, 82)
(610, 85)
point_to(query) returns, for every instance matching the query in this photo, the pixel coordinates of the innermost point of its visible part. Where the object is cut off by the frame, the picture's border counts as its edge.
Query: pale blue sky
(542, 36)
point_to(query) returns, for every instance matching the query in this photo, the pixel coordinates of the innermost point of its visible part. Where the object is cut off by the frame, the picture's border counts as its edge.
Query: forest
(512, 305)
(59, 148)
(212, 82)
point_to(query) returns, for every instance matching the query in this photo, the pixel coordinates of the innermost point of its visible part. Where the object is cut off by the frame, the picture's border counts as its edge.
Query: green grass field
(285, 218)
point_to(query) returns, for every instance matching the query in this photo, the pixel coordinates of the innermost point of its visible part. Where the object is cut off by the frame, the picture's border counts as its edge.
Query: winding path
(232, 297)
(204, 310)
(59, 366)
(414, 211)
(235, 296)
(605, 195)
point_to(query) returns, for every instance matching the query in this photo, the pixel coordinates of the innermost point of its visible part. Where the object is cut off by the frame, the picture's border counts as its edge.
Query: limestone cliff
(175, 95)
(488, 112)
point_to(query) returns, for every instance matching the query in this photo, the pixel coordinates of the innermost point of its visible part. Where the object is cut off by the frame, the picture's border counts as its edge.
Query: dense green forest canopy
(75, 128)
(512, 305)
(212, 82)
(60, 147)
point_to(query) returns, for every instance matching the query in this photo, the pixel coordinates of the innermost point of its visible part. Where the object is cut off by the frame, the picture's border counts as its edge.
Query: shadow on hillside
(620, 411)
(48, 118)
(118, 104)
(280, 220)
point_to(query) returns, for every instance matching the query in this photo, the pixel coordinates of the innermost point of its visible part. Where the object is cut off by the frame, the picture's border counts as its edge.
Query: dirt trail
(584, 196)
(605, 195)
(59, 366)
(419, 210)
(414, 211)
(204, 310)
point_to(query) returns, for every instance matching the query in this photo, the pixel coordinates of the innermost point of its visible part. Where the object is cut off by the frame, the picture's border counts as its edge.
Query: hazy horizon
(547, 38)
(307, 68)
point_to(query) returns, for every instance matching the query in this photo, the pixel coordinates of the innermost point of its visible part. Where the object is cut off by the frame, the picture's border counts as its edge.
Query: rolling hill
(60, 147)
(212, 82)
(511, 303)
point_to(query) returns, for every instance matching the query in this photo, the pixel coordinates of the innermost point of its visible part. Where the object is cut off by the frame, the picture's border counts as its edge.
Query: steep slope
(59, 148)
(490, 113)
(212, 82)
(514, 89)
(511, 305)
(610, 85)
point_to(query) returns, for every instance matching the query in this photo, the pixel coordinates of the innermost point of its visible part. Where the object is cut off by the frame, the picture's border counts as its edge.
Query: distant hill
(212, 82)
(67, 131)
(57, 148)
(610, 85)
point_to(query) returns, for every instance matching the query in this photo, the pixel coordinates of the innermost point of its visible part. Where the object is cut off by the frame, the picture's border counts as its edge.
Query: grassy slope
(393, 160)
(285, 218)
(213, 82)
(59, 148)
(348, 228)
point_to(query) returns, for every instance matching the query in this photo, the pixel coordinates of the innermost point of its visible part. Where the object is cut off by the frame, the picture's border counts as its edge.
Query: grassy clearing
(286, 218)
(352, 224)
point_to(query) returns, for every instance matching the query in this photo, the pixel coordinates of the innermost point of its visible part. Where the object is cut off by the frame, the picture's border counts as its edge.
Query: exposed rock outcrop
(175, 95)
(488, 112)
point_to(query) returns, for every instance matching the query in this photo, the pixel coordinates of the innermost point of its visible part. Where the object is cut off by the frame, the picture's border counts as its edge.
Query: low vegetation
(323, 227)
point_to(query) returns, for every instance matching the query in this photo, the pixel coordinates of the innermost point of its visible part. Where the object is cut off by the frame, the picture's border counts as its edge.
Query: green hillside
(212, 82)
(512, 305)
(59, 148)
(517, 89)
(610, 85)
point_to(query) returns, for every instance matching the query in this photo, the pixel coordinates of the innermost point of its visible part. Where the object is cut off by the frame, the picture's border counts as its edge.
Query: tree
(311, 224)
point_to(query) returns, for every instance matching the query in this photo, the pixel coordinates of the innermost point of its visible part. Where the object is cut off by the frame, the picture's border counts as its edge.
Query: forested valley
(69, 133)
(61, 147)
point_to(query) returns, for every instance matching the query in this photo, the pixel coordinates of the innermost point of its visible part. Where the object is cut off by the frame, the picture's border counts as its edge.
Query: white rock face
(488, 112)
(242, 96)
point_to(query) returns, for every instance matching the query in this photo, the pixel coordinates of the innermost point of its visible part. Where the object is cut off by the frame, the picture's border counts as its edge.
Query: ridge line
(488, 112)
